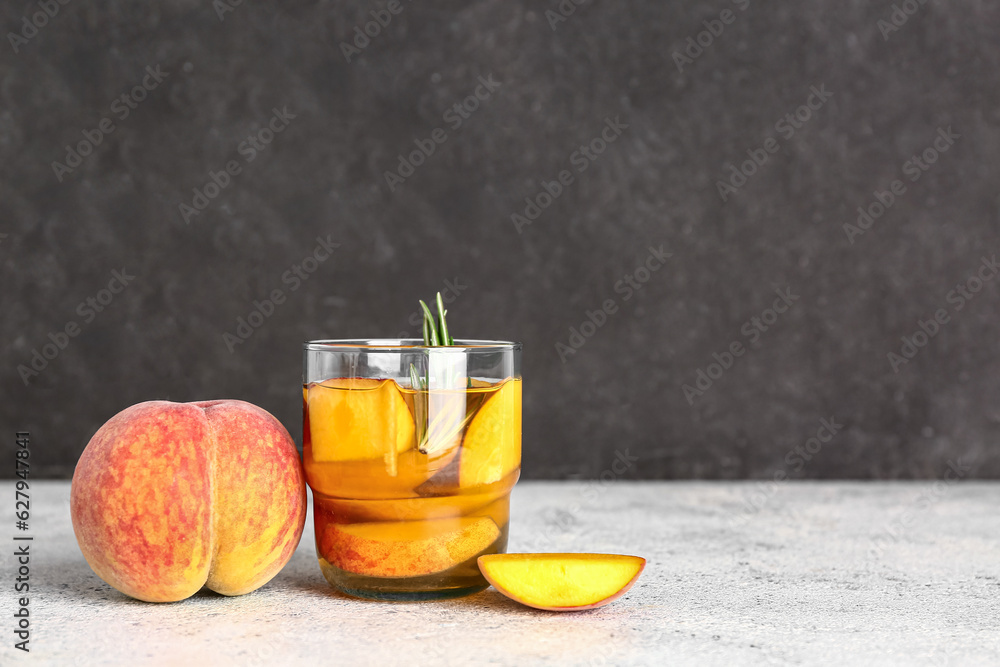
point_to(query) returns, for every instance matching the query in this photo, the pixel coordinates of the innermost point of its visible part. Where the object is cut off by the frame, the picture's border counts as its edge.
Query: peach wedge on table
(562, 582)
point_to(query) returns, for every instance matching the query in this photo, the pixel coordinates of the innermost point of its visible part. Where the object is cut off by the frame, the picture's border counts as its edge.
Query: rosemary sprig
(435, 328)
(445, 425)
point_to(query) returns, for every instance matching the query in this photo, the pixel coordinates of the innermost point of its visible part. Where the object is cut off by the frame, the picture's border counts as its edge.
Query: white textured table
(814, 573)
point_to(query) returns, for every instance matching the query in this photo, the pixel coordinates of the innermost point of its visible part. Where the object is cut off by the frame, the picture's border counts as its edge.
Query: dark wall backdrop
(880, 95)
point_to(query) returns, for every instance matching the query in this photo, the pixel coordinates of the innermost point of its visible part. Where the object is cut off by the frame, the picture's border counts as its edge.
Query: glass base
(455, 582)
(412, 596)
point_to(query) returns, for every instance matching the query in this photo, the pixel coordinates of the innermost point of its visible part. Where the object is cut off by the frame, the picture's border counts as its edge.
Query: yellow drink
(410, 485)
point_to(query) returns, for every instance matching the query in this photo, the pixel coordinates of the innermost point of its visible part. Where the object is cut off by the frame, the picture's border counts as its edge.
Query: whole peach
(170, 497)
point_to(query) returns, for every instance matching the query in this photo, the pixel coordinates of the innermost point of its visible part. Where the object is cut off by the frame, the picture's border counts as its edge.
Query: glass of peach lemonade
(411, 451)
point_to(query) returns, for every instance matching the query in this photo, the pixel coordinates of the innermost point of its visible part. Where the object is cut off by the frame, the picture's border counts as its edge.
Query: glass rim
(405, 345)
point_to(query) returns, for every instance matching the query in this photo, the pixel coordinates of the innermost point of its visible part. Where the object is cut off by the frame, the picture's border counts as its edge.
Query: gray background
(162, 337)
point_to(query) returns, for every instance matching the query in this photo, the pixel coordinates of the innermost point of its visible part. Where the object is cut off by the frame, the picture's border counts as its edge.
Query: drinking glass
(411, 452)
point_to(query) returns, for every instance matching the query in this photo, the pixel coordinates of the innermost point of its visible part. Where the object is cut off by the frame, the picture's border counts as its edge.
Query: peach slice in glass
(353, 419)
(562, 582)
(406, 548)
(491, 448)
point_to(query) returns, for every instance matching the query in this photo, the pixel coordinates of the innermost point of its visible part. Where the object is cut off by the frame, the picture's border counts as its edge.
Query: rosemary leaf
(419, 405)
(429, 322)
(443, 328)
